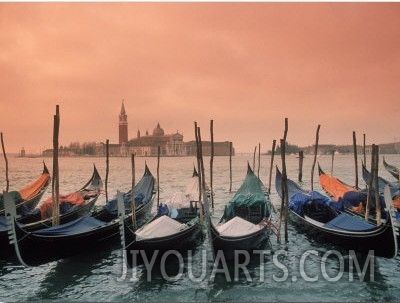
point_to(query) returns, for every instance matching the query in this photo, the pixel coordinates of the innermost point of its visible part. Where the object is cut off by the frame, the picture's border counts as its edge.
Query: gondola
(28, 197)
(317, 215)
(72, 205)
(85, 233)
(348, 198)
(393, 170)
(176, 226)
(393, 186)
(143, 194)
(242, 226)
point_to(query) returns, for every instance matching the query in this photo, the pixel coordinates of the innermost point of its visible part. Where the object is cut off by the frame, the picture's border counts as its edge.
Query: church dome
(158, 131)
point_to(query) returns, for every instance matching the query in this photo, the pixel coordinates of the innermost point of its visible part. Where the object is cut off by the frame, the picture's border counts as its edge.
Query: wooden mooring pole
(107, 169)
(254, 159)
(376, 183)
(284, 189)
(230, 166)
(133, 203)
(259, 160)
(272, 164)
(355, 159)
(198, 159)
(5, 159)
(364, 153)
(315, 157)
(212, 162)
(55, 180)
(301, 157)
(368, 205)
(158, 175)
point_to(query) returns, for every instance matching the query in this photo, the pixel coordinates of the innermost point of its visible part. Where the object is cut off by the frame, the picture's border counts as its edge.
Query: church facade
(170, 144)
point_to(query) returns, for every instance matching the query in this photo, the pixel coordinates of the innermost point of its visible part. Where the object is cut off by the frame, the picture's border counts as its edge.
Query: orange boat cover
(46, 208)
(333, 186)
(33, 189)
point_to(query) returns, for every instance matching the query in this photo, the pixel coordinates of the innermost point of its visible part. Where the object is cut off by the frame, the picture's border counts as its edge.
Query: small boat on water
(348, 198)
(27, 198)
(144, 196)
(72, 205)
(318, 216)
(177, 226)
(393, 170)
(84, 233)
(244, 223)
(25, 201)
(393, 186)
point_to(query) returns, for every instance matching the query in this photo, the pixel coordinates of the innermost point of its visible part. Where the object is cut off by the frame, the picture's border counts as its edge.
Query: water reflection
(73, 272)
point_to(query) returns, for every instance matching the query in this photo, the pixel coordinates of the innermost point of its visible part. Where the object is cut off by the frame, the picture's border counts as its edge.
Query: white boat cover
(192, 189)
(237, 227)
(182, 199)
(161, 227)
(178, 200)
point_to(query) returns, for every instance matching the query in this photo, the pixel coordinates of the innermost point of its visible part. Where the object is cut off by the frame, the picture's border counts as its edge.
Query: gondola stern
(249, 169)
(320, 171)
(45, 169)
(146, 170)
(195, 173)
(96, 179)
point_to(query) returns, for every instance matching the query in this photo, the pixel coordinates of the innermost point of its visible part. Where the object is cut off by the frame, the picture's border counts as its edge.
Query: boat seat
(317, 212)
(252, 214)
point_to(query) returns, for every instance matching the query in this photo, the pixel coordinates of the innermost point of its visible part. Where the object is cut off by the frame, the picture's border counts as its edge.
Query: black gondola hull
(182, 242)
(36, 249)
(394, 171)
(382, 240)
(228, 245)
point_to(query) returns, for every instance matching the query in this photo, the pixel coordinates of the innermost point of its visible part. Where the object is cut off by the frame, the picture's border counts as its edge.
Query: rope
(269, 225)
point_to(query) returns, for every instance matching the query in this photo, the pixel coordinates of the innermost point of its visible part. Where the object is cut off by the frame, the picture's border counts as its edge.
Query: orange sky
(245, 65)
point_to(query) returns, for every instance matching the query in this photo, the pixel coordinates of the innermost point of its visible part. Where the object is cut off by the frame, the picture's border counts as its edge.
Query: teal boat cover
(250, 194)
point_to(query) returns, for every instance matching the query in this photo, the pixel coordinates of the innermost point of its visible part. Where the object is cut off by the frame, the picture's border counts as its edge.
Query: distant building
(123, 126)
(170, 144)
(147, 145)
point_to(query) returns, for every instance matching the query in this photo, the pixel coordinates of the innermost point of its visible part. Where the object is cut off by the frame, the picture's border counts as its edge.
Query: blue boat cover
(162, 209)
(143, 193)
(353, 198)
(299, 199)
(346, 222)
(77, 226)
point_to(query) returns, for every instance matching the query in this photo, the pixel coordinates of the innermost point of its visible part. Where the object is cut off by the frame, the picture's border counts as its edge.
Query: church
(170, 144)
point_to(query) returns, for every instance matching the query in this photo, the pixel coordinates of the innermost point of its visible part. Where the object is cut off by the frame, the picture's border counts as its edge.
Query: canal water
(301, 270)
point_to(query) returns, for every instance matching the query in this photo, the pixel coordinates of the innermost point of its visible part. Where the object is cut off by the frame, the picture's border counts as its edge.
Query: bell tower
(123, 125)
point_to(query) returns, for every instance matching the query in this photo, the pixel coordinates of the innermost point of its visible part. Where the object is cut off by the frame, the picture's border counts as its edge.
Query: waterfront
(96, 276)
